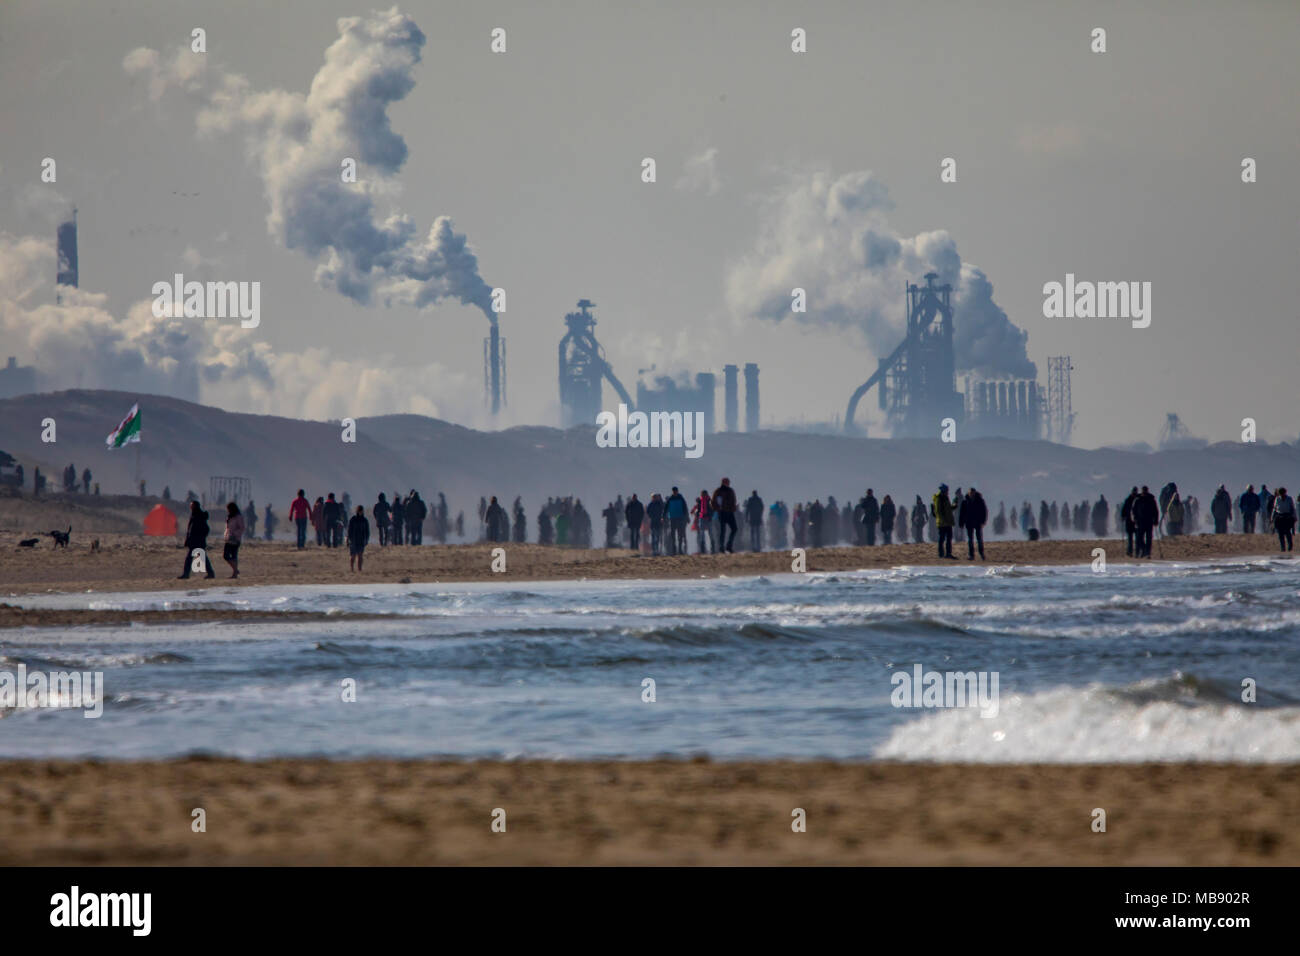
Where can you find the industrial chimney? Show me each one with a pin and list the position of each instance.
(731, 397)
(751, 397)
(494, 371)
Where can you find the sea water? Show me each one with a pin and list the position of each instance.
(1190, 661)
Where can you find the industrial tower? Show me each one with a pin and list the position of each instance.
(918, 381)
(582, 366)
(1060, 413)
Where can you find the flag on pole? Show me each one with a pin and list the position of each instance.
(128, 431)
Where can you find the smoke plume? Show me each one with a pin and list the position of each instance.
(831, 237)
(364, 249)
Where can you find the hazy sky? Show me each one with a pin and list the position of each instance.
(1117, 166)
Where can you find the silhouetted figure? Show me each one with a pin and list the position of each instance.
(816, 516)
(1101, 517)
(724, 505)
(974, 515)
(635, 514)
(1174, 515)
(705, 543)
(870, 515)
(678, 512)
(545, 533)
(383, 513)
(397, 514)
(754, 518)
(1248, 507)
(416, 512)
(85, 481)
(1284, 518)
(887, 513)
(358, 538)
(196, 537)
(1146, 514)
(332, 517)
(941, 511)
(900, 524)
(1130, 526)
(268, 526)
(1221, 509)
(654, 511)
(498, 524)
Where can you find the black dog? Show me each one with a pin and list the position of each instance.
(61, 537)
(28, 542)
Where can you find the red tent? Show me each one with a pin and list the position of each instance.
(160, 521)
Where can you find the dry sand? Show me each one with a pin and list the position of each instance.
(653, 812)
(131, 562)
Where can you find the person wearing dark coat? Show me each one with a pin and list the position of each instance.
(332, 517)
(870, 515)
(724, 506)
(1221, 509)
(383, 518)
(974, 515)
(887, 513)
(196, 536)
(416, 512)
(635, 514)
(1146, 514)
(397, 511)
(358, 538)
(1126, 515)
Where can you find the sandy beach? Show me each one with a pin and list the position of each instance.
(374, 812)
(131, 562)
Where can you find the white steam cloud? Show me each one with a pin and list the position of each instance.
(364, 249)
(80, 344)
(831, 237)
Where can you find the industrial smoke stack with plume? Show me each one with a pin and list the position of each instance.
(298, 143)
(830, 236)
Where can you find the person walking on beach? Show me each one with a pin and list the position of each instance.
(724, 504)
(870, 516)
(754, 509)
(887, 513)
(654, 512)
(1174, 516)
(634, 513)
(416, 512)
(383, 518)
(1146, 514)
(1126, 515)
(1248, 507)
(332, 516)
(358, 538)
(268, 524)
(299, 514)
(1284, 517)
(703, 512)
(234, 537)
(196, 536)
(918, 521)
(1221, 509)
(318, 520)
(941, 511)
(678, 512)
(974, 515)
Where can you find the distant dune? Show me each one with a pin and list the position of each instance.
(186, 443)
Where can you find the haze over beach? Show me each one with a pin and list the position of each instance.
(602, 435)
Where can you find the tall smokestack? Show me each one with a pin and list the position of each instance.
(730, 397)
(751, 397)
(493, 368)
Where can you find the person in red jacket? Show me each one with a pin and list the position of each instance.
(299, 514)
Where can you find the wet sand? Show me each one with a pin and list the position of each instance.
(312, 812)
(131, 562)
